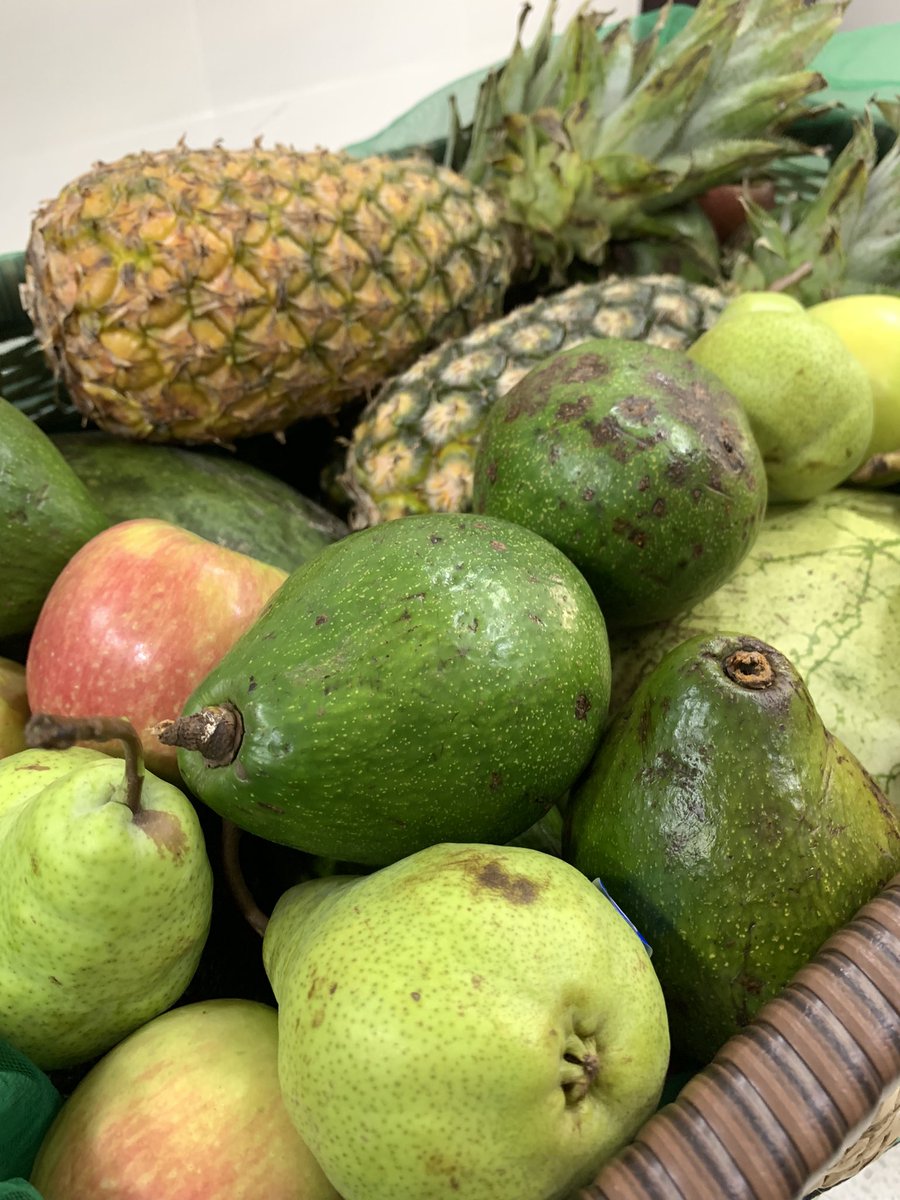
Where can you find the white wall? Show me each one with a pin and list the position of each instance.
(871, 12)
(95, 79)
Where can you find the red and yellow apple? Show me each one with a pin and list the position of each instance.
(133, 623)
(188, 1107)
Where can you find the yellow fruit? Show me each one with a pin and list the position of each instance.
(13, 707)
(869, 326)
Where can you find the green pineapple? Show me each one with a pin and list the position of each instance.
(843, 240)
(413, 448)
(209, 294)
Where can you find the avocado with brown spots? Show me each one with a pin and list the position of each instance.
(637, 463)
(437, 678)
(734, 829)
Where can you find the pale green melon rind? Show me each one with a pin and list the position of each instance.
(822, 585)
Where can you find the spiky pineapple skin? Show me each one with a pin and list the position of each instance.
(413, 448)
(204, 295)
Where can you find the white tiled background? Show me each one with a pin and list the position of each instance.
(94, 80)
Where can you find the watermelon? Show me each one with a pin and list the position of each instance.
(822, 585)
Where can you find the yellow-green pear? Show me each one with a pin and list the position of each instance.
(472, 1020)
(105, 893)
(13, 707)
(808, 399)
(760, 301)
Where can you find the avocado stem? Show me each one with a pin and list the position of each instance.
(749, 669)
(234, 877)
(216, 731)
(49, 732)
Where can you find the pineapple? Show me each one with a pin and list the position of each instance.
(413, 448)
(205, 295)
(844, 239)
(209, 294)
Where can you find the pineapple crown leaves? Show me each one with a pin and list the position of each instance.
(581, 136)
(843, 239)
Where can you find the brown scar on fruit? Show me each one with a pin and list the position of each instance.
(582, 706)
(514, 888)
(572, 409)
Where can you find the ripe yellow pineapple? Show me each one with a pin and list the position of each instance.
(198, 295)
(209, 294)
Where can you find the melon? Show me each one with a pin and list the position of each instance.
(822, 585)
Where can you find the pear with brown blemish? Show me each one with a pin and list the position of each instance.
(105, 893)
(473, 1020)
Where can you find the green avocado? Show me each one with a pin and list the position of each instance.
(732, 827)
(637, 463)
(437, 678)
(222, 499)
(46, 514)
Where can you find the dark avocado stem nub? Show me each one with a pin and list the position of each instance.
(216, 731)
(49, 732)
(750, 669)
(237, 884)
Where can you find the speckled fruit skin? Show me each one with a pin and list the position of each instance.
(103, 916)
(733, 828)
(636, 463)
(440, 677)
(436, 1019)
(134, 621)
(186, 1108)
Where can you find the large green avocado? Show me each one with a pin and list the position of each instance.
(637, 463)
(222, 499)
(822, 582)
(732, 827)
(46, 514)
(437, 678)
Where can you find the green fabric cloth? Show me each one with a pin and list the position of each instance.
(18, 1189)
(858, 65)
(28, 1103)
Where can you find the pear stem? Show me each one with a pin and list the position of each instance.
(792, 277)
(50, 732)
(234, 876)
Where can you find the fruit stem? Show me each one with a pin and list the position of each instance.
(49, 732)
(750, 669)
(216, 731)
(234, 876)
(792, 277)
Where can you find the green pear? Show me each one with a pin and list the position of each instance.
(762, 301)
(808, 398)
(13, 707)
(473, 1019)
(105, 893)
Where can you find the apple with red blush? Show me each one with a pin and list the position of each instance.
(135, 620)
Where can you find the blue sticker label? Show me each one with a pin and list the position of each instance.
(598, 883)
